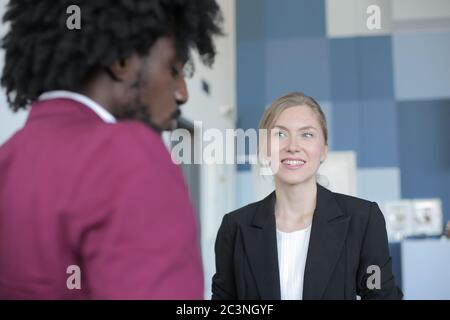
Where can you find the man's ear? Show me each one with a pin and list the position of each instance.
(124, 70)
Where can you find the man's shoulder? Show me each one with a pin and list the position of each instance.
(130, 134)
(130, 143)
(128, 153)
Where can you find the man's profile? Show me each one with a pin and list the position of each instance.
(88, 181)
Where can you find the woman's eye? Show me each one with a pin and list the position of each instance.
(308, 135)
(280, 134)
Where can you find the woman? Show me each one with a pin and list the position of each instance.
(302, 241)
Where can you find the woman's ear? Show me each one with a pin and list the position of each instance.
(324, 155)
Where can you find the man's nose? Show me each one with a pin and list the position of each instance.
(181, 92)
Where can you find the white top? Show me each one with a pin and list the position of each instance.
(88, 102)
(292, 251)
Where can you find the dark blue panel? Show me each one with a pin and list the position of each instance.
(375, 68)
(298, 65)
(344, 69)
(424, 139)
(250, 20)
(250, 83)
(295, 18)
(346, 126)
(244, 167)
(379, 140)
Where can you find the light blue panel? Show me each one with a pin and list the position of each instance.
(346, 126)
(422, 65)
(294, 18)
(379, 135)
(298, 65)
(424, 142)
(250, 83)
(245, 193)
(344, 69)
(379, 184)
(250, 20)
(375, 68)
(425, 269)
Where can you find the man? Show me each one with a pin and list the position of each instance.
(91, 206)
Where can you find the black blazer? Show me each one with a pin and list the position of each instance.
(347, 235)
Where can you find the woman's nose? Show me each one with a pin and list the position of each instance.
(293, 145)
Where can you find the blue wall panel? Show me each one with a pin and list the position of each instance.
(294, 18)
(424, 139)
(250, 21)
(251, 83)
(346, 125)
(344, 69)
(298, 64)
(375, 68)
(378, 130)
(422, 65)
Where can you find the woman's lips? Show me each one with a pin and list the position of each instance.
(293, 163)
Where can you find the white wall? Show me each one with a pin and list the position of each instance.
(347, 18)
(217, 110)
(420, 9)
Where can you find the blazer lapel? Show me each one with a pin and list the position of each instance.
(328, 233)
(260, 241)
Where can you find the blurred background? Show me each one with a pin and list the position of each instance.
(380, 69)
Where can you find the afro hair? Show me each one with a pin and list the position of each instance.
(43, 54)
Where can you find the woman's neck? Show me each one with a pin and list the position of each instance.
(295, 205)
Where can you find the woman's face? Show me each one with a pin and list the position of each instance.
(298, 143)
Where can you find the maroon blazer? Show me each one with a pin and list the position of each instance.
(75, 190)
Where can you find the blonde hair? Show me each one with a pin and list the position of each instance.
(289, 100)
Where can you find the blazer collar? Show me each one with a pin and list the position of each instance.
(328, 233)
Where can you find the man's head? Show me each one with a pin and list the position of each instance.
(128, 54)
